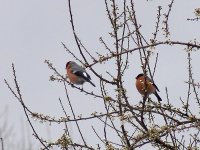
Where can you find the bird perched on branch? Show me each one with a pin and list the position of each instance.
(145, 86)
(77, 74)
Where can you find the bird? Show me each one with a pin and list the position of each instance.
(77, 74)
(145, 86)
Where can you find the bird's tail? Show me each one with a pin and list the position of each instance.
(158, 97)
(92, 83)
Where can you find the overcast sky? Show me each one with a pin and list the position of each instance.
(32, 31)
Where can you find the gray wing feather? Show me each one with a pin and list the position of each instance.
(75, 67)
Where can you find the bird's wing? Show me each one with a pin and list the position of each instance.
(152, 83)
(75, 67)
(83, 75)
(80, 71)
(156, 87)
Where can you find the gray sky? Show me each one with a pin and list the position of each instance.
(32, 31)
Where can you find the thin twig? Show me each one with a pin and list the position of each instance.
(2, 146)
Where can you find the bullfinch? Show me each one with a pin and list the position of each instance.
(147, 88)
(77, 74)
